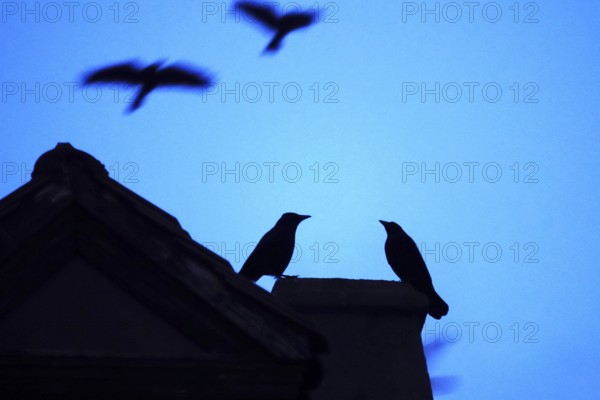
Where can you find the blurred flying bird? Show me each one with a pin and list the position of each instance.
(405, 259)
(148, 78)
(274, 251)
(282, 25)
(440, 384)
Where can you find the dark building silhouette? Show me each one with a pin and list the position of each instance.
(373, 329)
(105, 296)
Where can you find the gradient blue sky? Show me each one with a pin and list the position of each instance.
(522, 319)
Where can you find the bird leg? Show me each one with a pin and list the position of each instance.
(287, 277)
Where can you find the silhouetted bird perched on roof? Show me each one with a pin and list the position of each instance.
(148, 78)
(405, 259)
(282, 25)
(274, 251)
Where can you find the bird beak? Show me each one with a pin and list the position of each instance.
(303, 217)
(384, 223)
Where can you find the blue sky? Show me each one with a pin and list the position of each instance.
(476, 133)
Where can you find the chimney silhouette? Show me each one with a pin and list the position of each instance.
(373, 329)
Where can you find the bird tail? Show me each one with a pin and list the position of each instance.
(437, 306)
(249, 274)
(139, 99)
(136, 103)
(274, 44)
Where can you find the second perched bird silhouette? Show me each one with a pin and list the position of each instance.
(404, 257)
(274, 251)
(282, 25)
(148, 78)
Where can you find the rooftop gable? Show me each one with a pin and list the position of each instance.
(71, 209)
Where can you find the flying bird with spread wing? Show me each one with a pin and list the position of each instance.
(404, 257)
(274, 250)
(148, 78)
(282, 25)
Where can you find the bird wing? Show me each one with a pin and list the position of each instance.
(262, 13)
(127, 72)
(296, 20)
(175, 75)
(257, 263)
(253, 268)
(418, 269)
